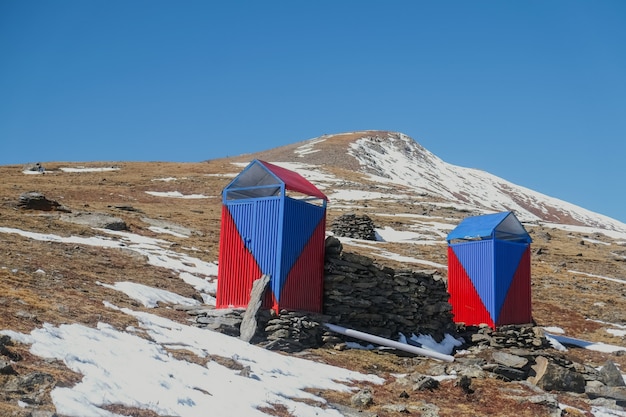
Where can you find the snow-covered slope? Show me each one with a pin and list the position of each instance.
(397, 158)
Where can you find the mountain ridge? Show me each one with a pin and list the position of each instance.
(397, 158)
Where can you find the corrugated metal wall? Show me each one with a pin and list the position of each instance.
(467, 305)
(489, 282)
(237, 267)
(301, 247)
(304, 287)
(517, 307)
(283, 238)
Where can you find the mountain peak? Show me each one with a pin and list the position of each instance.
(395, 158)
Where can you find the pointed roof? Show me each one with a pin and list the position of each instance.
(502, 226)
(262, 179)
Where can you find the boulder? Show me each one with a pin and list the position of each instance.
(610, 375)
(33, 200)
(552, 377)
(249, 326)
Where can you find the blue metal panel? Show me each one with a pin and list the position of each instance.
(242, 214)
(258, 223)
(476, 257)
(477, 227)
(507, 256)
(300, 221)
(267, 233)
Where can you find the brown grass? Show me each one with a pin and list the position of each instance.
(67, 291)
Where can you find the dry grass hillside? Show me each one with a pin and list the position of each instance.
(67, 293)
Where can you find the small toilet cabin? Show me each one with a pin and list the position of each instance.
(273, 223)
(489, 271)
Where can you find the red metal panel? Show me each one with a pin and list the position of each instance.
(517, 305)
(304, 287)
(467, 305)
(237, 268)
(477, 259)
(294, 181)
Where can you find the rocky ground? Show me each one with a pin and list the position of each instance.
(495, 373)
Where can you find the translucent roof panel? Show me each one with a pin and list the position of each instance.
(501, 226)
(253, 176)
(262, 179)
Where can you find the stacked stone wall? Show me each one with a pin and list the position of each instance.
(361, 295)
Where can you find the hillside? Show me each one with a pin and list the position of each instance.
(57, 269)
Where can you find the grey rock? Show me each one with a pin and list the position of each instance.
(506, 372)
(6, 368)
(395, 408)
(549, 400)
(249, 322)
(362, 399)
(552, 377)
(610, 375)
(509, 360)
(424, 409)
(216, 322)
(96, 220)
(615, 393)
(424, 382)
(606, 403)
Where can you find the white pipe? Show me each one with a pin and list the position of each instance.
(389, 343)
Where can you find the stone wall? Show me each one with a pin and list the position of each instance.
(361, 295)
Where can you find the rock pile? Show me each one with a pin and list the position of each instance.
(288, 331)
(354, 226)
(292, 331)
(509, 336)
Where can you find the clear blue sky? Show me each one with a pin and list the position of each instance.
(531, 91)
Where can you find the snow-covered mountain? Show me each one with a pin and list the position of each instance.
(395, 158)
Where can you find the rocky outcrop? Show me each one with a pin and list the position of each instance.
(96, 220)
(33, 200)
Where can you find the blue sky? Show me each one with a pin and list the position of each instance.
(531, 91)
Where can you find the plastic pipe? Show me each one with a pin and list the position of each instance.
(389, 343)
